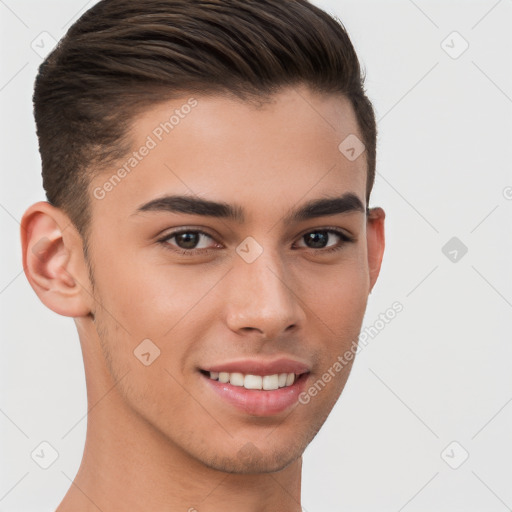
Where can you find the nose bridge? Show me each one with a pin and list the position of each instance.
(261, 293)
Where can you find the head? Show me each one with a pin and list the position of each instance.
(253, 111)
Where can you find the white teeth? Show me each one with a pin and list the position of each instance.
(266, 382)
(271, 382)
(253, 382)
(236, 379)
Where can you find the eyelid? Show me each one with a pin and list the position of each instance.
(332, 229)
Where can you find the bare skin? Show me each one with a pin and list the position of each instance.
(158, 437)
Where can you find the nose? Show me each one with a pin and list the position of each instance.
(262, 297)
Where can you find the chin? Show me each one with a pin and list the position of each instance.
(250, 460)
(259, 466)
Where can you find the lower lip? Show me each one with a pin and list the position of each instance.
(259, 402)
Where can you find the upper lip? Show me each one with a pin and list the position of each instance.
(260, 366)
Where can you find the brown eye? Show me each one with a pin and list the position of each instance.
(187, 241)
(319, 239)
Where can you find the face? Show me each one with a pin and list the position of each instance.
(234, 286)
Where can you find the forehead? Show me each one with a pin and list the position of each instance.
(288, 148)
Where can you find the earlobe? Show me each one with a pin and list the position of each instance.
(53, 260)
(376, 243)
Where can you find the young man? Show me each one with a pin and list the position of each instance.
(208, 167)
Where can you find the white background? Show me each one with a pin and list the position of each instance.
(439, 372)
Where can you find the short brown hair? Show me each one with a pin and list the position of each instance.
(124, 55)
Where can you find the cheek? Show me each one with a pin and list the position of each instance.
(337, 293)
(337, 304)
(150, 299)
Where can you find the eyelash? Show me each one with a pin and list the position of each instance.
(193, 252)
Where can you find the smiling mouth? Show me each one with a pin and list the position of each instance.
(256, 382)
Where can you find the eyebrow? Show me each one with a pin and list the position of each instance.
(346, 203)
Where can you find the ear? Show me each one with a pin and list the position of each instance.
(53, 260)
(375, 242)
